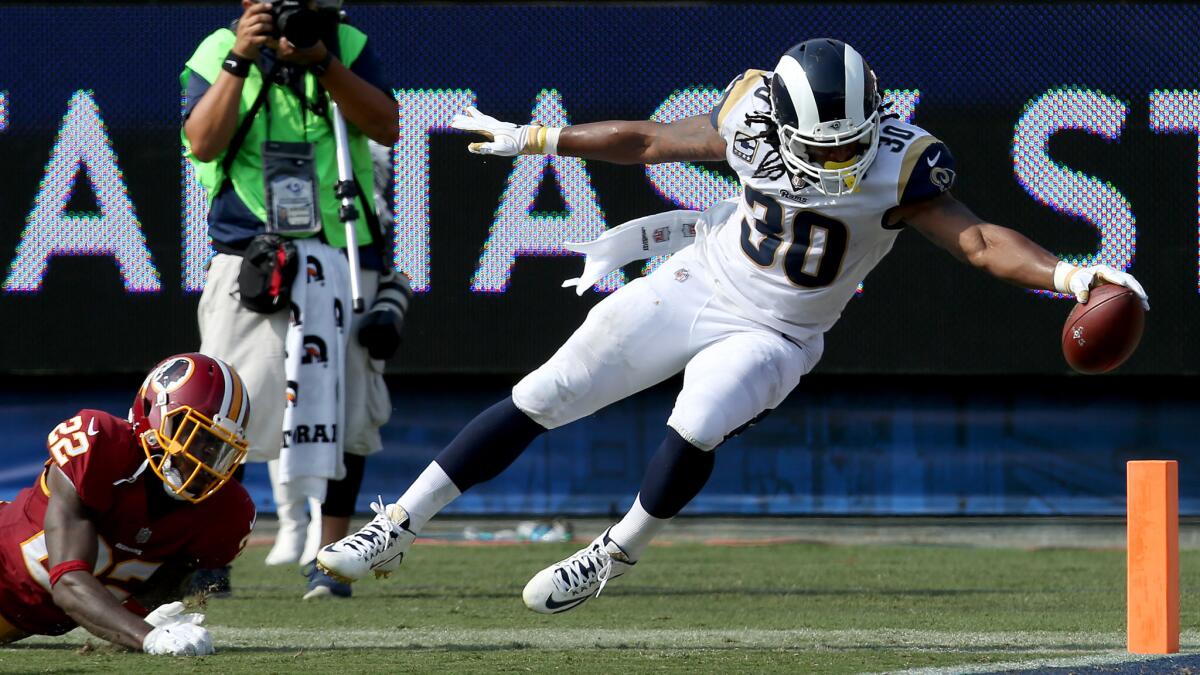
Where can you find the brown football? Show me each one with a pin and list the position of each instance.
(1100, 335)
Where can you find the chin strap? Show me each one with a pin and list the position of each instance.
(136, 474)
(142, 469)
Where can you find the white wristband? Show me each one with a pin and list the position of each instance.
(550, 147)
(541, 140)
(1063, 272)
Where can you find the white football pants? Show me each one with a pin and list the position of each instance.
(654, 327)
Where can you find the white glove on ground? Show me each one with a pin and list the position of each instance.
(1079, 281)
(170, 614)
(507, 139)
(176, 634)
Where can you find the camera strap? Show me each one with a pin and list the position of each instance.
(239, 137)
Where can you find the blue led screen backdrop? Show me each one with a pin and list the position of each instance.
(1076, 125)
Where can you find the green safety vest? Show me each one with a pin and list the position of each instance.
(288, 123)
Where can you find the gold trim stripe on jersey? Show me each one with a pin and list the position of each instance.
(910, 160)
(750, 81)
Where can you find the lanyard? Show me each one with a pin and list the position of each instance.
(318, 105)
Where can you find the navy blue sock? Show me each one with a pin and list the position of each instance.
(488, 445)
(676, 474)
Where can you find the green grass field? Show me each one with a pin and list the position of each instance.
(686, 607)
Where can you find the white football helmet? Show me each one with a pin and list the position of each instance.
(825, 103)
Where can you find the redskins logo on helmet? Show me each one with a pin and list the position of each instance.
(190, 417)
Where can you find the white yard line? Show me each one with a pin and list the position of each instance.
(1094, 648)
(1105, 658)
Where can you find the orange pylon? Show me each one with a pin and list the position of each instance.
(1152, 509)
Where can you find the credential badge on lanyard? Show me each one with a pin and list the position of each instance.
(290, 184)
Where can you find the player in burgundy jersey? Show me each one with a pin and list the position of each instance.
(127, 508)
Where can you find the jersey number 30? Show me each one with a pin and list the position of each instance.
(812, 254)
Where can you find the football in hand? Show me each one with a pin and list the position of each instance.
(1100, 335)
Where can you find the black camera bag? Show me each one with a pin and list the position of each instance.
(268, 270)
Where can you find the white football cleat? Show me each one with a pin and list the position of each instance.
(379, 546)
(568, 583)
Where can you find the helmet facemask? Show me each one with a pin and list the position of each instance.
(193, 455)
(802, 153)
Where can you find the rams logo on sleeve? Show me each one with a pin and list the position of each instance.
(926, 171)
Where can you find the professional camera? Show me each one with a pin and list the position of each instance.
(299, 24)
(382, 326)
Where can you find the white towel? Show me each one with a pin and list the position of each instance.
(315, 365)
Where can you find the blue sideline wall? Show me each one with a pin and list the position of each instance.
(844, 445)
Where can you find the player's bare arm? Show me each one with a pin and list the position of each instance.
(1000, 251)
(1003, 252)
(689, 139)
(619, 142)
(71, 536)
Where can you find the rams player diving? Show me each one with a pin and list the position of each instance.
(828, 180)
(126, 509)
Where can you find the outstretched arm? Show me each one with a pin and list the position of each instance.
(1005, 253)
(689, 139)
(620, 142)
(1001, 252)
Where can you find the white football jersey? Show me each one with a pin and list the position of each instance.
(790, 256)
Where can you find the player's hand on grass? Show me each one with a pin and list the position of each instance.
(504, 138)
(1079, 281)
(176, 633)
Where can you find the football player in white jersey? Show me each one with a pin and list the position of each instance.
(828, 180)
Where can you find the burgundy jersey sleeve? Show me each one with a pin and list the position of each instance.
(94, 450)
(223, 526)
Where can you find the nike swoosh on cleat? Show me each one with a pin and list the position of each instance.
(381, 563)
(563, 606)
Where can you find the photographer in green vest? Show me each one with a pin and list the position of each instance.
(258, 131)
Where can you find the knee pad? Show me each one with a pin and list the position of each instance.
(726, 394)
(705, 430)
(550, 394)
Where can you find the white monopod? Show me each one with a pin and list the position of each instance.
(347, 192)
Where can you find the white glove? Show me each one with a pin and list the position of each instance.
(176, 633)
(507, 139)
(1079, 281)
(178, 639)
(660, 234)
(171, 614)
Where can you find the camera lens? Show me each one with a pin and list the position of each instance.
(301, 27)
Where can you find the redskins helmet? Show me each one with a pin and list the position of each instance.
(825, 103)
(190, 417)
